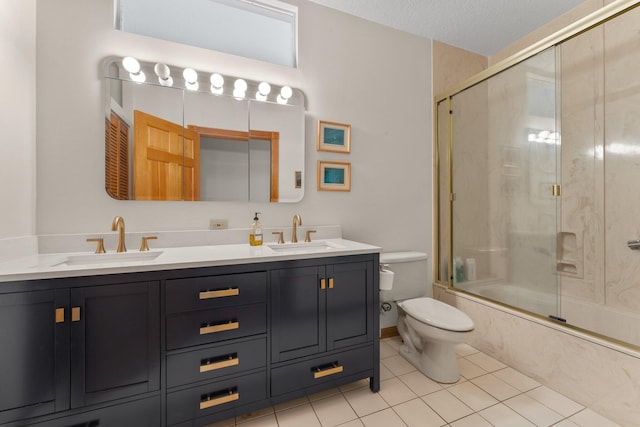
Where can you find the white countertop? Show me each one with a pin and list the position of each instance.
(53, 265)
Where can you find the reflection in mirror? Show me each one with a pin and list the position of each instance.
(165, 141)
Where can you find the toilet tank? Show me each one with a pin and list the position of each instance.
(411, 275)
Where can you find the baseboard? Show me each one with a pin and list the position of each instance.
(389, 332)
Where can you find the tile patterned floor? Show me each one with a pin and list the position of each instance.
(488, 394)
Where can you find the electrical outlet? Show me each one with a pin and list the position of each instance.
(218, 224)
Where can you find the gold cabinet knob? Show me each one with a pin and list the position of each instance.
(100, 242)
(144, 246)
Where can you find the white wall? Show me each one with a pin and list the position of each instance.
(17, 118)
(352, 71)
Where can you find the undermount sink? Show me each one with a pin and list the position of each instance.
(304, 247)
(108, 259)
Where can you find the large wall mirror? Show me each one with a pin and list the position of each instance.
(172, 134)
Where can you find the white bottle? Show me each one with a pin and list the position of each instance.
(470, 268)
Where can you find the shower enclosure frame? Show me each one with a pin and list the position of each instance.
(443, 195)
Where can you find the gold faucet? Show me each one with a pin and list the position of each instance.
(297, 220)
(118, 224)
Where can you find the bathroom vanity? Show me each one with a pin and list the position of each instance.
(182, 340)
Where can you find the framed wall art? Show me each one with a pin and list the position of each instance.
(334, 176)
(334, 137)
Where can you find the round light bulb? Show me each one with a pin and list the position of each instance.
(217, 80)
(216, 90)
(264, 88)
(162, 71)
(166, 82)
(190, 75)
(286, 92)
(138, 77)
(281, 100)
(131, 64)
(260, 97)
(240, 85)
(238, 93)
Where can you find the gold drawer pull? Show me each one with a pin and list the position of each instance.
(330, 282)
(75, 314)
(208, 365)
(333, 369)
(212, 329)
(211, 402)
(59, 315)
(231, 292)
(323, 284)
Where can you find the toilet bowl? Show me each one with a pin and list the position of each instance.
(430, 330)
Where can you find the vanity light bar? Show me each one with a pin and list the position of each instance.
(129, 68)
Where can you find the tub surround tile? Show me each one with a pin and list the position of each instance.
(600, 378)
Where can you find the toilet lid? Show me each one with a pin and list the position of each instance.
(437, 313)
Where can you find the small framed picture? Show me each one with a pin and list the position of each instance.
(334, 137)
(334, 176)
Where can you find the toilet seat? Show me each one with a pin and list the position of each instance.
(436, 313)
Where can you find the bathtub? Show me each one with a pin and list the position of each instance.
(615, 323)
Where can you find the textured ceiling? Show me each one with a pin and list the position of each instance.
(481, 26)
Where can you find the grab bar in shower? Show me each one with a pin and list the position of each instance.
(634, 244)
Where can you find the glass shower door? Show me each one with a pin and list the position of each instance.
(505, 170)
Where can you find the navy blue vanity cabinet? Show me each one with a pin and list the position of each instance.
(216, 329)
(324, 326)
(68, 349)
(34, 354)
(115, 342)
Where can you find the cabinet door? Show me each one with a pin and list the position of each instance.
(115, 342)
(34, 342)
(350, 304)
(298, 312)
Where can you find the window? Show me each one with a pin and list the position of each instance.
(265, 30)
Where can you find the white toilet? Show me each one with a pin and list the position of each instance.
(430, 329)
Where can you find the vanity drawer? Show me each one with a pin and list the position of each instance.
(201, 293)
(215, 362)
(214, 397)
(208, 326)
(320, 370)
